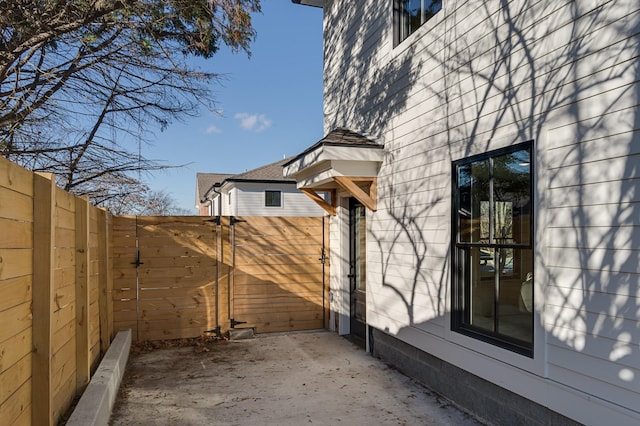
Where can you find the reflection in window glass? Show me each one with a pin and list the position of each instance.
(272, 198)
(413, 13)
(493, 283)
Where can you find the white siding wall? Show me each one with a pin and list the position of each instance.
(480, 76)
(248, 199)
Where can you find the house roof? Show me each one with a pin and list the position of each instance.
(316, 3)
(343, 160)
(339, 137)
(269, 173)
(205, 181)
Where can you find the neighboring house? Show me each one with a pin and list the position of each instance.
(258, 192)
(205, 183)
(484, 158)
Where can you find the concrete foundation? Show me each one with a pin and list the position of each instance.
(492, 403)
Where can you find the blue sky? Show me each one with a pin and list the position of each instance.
(270, 104)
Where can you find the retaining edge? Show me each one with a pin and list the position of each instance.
(96, 403)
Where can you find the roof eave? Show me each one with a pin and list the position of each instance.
(314, 3)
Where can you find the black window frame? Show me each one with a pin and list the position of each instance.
(460, 286)
(269, 201)
(399, 7)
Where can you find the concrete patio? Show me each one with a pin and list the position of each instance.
(275, 379)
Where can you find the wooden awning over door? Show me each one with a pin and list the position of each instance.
(343, 160)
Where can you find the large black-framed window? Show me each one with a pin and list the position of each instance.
(493, 247)
(272, 198)
(409, 15)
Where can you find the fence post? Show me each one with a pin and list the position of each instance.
(83, 353)
(43, 250)
(105, 283)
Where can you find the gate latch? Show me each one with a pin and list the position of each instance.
(137, 262)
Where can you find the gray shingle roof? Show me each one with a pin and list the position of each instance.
(204, 182)
(340, 136)
(270, 172)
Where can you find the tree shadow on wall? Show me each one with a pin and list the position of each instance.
(563, 76)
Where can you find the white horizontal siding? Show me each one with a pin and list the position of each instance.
(250, 201)
(480, 76)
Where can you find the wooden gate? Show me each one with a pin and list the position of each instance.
(278, 273)
(177, 277)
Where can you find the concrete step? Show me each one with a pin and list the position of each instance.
(241, 333)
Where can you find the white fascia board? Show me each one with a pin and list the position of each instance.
(351, 153)
(306, 161)
(355, 168)
(315, 3)
(332, 154)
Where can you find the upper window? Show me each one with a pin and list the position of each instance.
(411, 14)
(272, 198)
(493, 248)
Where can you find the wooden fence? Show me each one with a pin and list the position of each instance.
(55, 315)
(71, 275)
(177, 277)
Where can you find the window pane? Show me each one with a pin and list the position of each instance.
(479, 302)
(473, 199)
(515, 303)
(431, 8)
(512, 197)
(414, 13)
(272, 199)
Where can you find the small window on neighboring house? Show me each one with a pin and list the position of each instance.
(272, 198)
(411, 14)
(493, 248)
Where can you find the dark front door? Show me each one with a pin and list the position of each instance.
(357, 269)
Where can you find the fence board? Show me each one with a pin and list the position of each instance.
(15, 406)
(15, 205)
(15, 263)
(14, 377)
(15, 291)
(15, 177)
(16, 234)
(14, 348)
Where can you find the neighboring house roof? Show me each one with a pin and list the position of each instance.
(270, 173)
(205, 181)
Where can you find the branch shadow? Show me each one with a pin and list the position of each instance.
(565, 76)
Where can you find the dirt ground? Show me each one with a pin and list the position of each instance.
(275, 379)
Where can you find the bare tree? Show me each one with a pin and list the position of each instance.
(78, 78)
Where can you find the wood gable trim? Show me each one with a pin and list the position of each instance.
(328, 207)
(369, 200)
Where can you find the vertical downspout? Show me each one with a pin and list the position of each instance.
(323, 260)
(219, 251)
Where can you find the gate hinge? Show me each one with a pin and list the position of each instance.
(215, 330)
(323, 257)
(235, 220)
(215, 220)
(234, 323)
